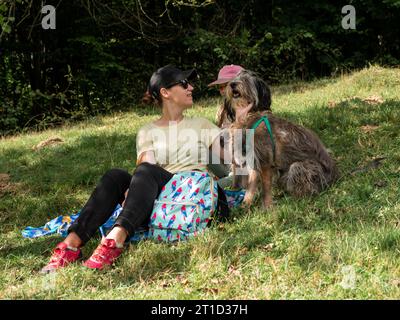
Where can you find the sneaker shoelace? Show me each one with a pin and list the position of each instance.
(102, 252)
(58, 255)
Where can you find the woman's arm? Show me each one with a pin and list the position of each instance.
(147, 156)
(241, 113)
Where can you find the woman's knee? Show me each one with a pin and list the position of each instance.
(146, 172)
(116, 173)
(117, 176)
(145, 167)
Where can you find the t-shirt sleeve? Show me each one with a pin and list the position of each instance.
(212, 132)
(144, 141)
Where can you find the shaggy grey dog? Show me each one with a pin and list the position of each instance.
(290, 154)
(253, 90)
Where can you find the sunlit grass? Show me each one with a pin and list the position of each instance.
(344, 243)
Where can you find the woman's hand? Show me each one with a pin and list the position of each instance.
(126, 194)
(147, 156)
(241, 113)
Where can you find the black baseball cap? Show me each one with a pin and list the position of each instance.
(167, 76)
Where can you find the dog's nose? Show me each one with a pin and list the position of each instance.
(233, 85)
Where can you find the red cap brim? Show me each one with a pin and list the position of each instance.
(219, 81)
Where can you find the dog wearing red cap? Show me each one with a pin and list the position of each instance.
(255, 94)
(291, 154)
(226, 74)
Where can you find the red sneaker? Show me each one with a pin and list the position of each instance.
(62, 256)
(104, 255)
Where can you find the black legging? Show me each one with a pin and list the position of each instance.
(144, 187)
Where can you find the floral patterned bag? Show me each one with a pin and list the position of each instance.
(184, 207)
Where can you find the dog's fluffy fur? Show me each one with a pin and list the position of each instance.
(301, 165)
(253, 90)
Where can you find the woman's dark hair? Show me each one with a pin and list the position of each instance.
(149, 99)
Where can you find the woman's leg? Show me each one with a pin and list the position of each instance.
(146, 184)
(101, 204)
(96, 212)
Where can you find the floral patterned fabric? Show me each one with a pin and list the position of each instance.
(182, 210)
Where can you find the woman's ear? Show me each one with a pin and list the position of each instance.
(164, 93)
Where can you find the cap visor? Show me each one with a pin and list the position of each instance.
(219, 81)
(190, 74)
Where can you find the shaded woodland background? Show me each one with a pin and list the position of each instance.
(102, 53)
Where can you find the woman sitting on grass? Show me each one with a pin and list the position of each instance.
(161, 152)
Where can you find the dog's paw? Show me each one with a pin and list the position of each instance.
(246, 207)
(267, 206)
(248, 198)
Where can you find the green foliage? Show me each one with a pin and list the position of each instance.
(279, 56)
(393, 3)
(101, 55)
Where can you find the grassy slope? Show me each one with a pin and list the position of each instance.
(344, 243)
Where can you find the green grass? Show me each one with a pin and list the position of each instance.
(341, 244)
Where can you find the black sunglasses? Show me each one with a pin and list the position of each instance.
(184, 83)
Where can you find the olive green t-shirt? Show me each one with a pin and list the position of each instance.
(180, 146)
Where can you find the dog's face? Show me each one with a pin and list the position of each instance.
(247, 88)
